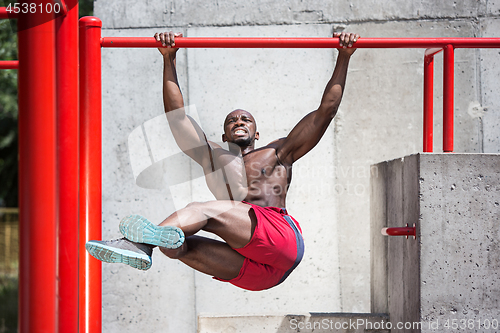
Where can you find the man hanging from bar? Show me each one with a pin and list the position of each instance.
(262, 243)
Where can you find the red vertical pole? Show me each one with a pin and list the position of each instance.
(428, 102)
(90, 172)
(37, 171)
(448, 85)
(67, 162)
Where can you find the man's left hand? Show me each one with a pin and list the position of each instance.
(346, 41)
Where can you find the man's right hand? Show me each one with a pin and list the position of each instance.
(167, 39)
(346, 41)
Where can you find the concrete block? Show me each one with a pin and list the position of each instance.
(378, 245)
(450, 272)
(459, 237)
(411, 212)
(395, 249)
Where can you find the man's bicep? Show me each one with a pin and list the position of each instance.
(189, 136)
(303, 137)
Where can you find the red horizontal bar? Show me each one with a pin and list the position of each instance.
(4, 14)
(9, 64)
(283, 42)
(399, 231)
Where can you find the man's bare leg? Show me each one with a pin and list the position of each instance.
(233, 221)
(209, 256)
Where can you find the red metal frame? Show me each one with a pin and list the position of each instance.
(37, 173)
(67, 166)
(400, 231)
(428, 103)
(66, 163)
(448, 88)
(9, 64)
(429, 98)
(281, 42)
(90, 172)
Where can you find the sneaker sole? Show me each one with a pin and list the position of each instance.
(113, 255)
(139, 229)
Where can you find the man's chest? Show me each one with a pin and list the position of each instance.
(263, 165)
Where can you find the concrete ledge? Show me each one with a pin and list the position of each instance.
(310, 322)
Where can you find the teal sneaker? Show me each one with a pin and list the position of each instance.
(121, 251)
(140, 230)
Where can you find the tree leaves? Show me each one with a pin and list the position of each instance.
(8, 118)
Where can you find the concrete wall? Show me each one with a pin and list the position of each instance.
(380, 118)
(449, 274)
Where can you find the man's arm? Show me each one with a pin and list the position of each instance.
(187, 133)
(307, 133)
(224, 172)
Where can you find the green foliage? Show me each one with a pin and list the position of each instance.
(86, 7)
(8, 304)
(8, 118)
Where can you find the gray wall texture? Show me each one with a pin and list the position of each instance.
(449, 274)
(380, 118)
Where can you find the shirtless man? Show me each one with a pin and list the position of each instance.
(262, 243)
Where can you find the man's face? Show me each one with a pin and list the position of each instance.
(240, 128)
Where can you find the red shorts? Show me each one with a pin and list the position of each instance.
(274, 251)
